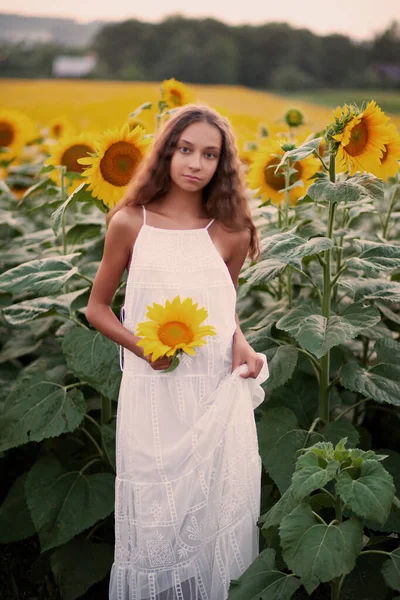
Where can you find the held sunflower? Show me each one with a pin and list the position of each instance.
(362, 140)
(118, 155)
(173, 328)
(66, 152)
(271, 185)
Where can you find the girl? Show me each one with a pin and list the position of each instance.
(188, 468)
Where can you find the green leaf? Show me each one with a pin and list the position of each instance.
(391, 570)
(38, 409)
(40, 185)
(316, 552)
(324, 191)
(336, 430)
(300, 395)
(17, 346)
(89, 563)
(372, 289)
(382, 382)
(282, 362)
(93, 358)
(23, 312)
(280, 509)
(317, 334)
(370, 495)
(15, 520)
(375, 257)
(44, 276)
(63, 503)
(308, 479)
(279, 439)
(262, 581)
(79, 233)
(310, 147)
(388, 351)
(264, 271)
(81, 193)
(365, 582)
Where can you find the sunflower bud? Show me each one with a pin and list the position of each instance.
(294, 117)
(288, 146)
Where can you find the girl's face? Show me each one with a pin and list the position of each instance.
(196, 156)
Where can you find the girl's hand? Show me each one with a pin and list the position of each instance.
(160, 364)
(243, 353)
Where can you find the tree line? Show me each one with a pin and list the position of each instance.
(273, 55)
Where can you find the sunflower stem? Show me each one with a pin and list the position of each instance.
(392, 204)
(63, 198)
(324, 390)
(106, 409)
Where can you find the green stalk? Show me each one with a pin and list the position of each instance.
(392, 204)
(63, 198)
(106, 409)
(324, 390)
(287, 204)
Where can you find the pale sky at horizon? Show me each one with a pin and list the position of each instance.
(360, 19)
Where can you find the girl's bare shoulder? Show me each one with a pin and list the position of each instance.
(234, 238)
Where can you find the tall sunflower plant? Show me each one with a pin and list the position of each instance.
(322, 304)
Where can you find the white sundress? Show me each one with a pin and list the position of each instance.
(188, 468)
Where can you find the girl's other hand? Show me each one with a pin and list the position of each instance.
(243, 353)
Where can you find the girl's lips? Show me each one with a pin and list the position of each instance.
(192, 177)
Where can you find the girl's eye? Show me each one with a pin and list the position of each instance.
(182, 148)
(211, 155)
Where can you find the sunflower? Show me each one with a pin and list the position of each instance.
(262, 174)
(58, 127)
(66, 152)
(362, 141)
(389, 164)
(294, 117)
(173, 328)
(16, 130)
(118, 155)
(247, 146)
(175, 94)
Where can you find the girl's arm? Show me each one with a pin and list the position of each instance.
(120, 238)
(242, 351)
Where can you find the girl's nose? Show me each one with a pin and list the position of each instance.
(194, 162)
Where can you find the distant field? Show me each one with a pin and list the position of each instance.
(98, 105)
(388, 101)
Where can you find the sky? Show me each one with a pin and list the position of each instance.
(360, 19)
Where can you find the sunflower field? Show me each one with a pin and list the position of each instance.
(322, 303)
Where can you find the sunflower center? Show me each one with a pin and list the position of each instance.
(6, 134)
(277, 181)
(358, 139)
(70, 157)
(57, 130)
(176, 97)
(174, 333)
(119, 163)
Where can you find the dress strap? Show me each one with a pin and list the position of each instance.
(144, 214)
(210, 223)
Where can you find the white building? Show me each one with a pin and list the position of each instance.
(74, 66)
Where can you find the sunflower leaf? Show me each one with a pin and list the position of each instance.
(375, 257)
(41, 276)
(37, 409)
(81, 193)
(263, 581)
(93, 358)
(372, 289)
(370, 495)
(62, 503)
(318, 334)
(317, 552)
(89, 562)
(301, 152)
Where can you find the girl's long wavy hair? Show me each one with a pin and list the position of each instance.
(224, 197)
